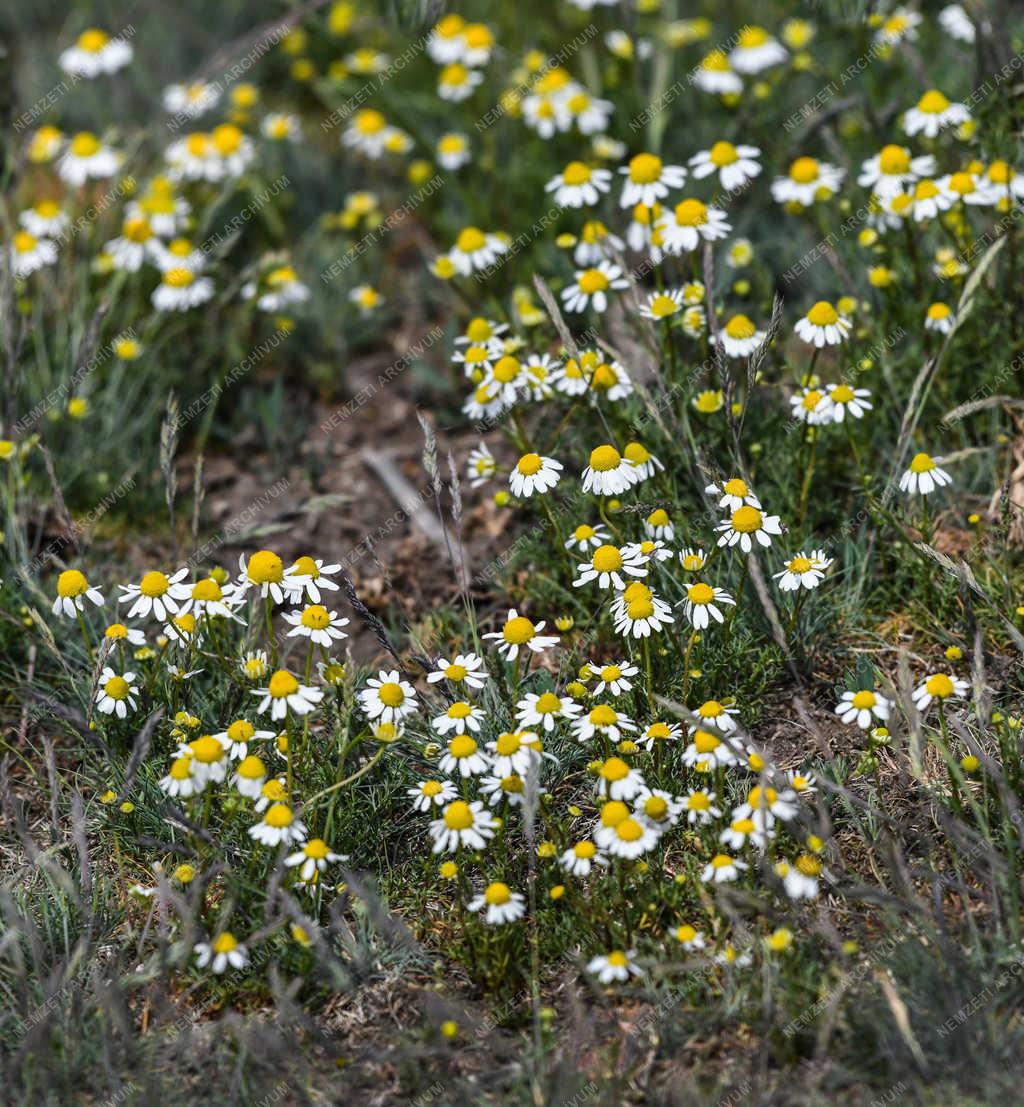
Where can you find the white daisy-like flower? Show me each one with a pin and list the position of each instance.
(648, 180)
(614, 677)
(690, 223)
(590, 287)
(940, 687)
(643, 461)
(707, 752)
(136, 244)
(812, 406)
(250, 776)
(764, 805)
(715, 74)
(970, 188)
(456, 82)
(462, 824)
(735, 493)
(579, 185)
(843, 398)
(740, 832)
(281, 126)
(317, 624)
(700, 807)
(181, 290)
(190, 100)
(657, 732)
(580, 859)
(716, 714)
(800, 879)
(823, 326)
(660, 306)
(429, 794)
(314, 857)
(463, 668)
(452, 150)
(476, 250)
(284, 693)
(690, 938)
(284, 290)
(746, 526)
(660, 809)
(955, 21)
(756, 50)
(179, 781)
(95, 53)
(481, 465)
(265, 572)
(609, 473)
(586, 537)
(928, 200)
(627, 837)
(608, 566)
(659, 526)
(740, 336)
(863, 707)
(924, 475)
(617, 781)
(29, 253)
(617, 966)
(722, 869)
(735, 165)
(45, 219)
(308, 576)
(894, 167)
(534, 474)
(702, 604)
(603, 719)
(515, 752)
(940, 318)
(278, 825)
(116, 693)
(520, 632)
(693, 560)
(808, 180)
(85, 158)
(208, 759)
(460, 718)
(388, 698)
(934, 113)
(637, 612)
(224, 952)
(498, 904)
(803, 571)
(543, 710)
(156, 594)
(72, 591)
(596, 242)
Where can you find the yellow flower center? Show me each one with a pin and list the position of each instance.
(593, 280)
(470, 240)
(224, 943)
(71, 583)
(507, 744)
(607, 559)
(279, 815)
(604, 459)
(226, 138)
(179, 277)
(894, 160)
(518, 631)
(933, 102)
(241, 731)
(460, 710)
(823, 314)
(576, 173)
(739, 326)
(390, 694)
(529, 464)
(723, 153)
(746, 519)
(700, 593)
(804, 170)
(265, 568)
(645, 169)
(548, 704)
(921, 463)
(842, 394)
(705, 741)
(751, 37)
(117, 688)
(85, 145)
(603, 715)
(809, 866)
(636, 453)
(610, 673)
(458, 816)
(282, 684)
(926, 190)
(497, 894)
(614, 769)
(506, 369)
(252, 768)
(316, 617)
(613, 813)
(584, 850)
(799, 565)
(93, 40)
(154, 584)
(939, 685)
(691, 213)
(206, 749)
(629, 830)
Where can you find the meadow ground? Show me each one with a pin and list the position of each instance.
(512, 583)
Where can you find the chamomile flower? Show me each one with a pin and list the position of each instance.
(281, 127)
(463, 668)
(387, 698)
(657, 732)
(863, 707)
(643, 461)
(192, 100)
(756, 50)
(481, 465)
(812, 406)
(934, 113)
(722, 869)
(580, 859)
(690, 938)
(278, 825)
(250, 776)
(609, 473)
(617, 966)
(543, 710)
(429, 794)
(456, 82)
(969, 188)
(690, 223)
(476, 250)
(605, 720)
(116, 693)
(156, 594)
(284, 693)
(366, 298)
(29, 253)
(800, 879)
(586, 537)
(843, 398)
(314, 857)
(693, 560)
(627, 837)
(45, 219)
(181, 290)
(225, 951)
(498, 904)
(802, 571)
(740, 337)
(515, 753)
(590, 287)
(893, 168)
(707, 751)
(94, 54)
(282, 290)
(715, 74)
(208, 759)
(808, 180)
(700, 808)
(254, 665)
(368, 132)
(617, 781)
(764, 805)
(614, 678)
(579, 185)
(939, 686)
(308, 575)
(179, 781)
(924, 475)
(86, 158)
(462, 824)
(714, 713)
(596, 243)
(265, 572)
(928, 200)
(637, 612)
(660, 306)
(823, 326)
(452, 150)
(747, 525)
(460, 718)
(735, 165)
(940, 318)
(316, 623)
(518, 633)
(648, 180)
(608, 566)
(118, 632)
(735, 493)
(702, 604)
(659, 526)
(591, 115)
(72, 591)
(740, 832)
(534, 474)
